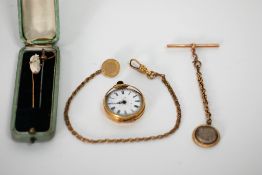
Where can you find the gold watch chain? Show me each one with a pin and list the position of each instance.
(151, 75)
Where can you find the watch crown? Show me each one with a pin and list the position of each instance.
(120, 82)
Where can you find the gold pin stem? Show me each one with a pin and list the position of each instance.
(33, 91)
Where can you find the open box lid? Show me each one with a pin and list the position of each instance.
(38, 21)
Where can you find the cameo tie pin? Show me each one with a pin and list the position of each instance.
(35, 68)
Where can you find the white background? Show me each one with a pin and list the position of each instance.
(93, 30)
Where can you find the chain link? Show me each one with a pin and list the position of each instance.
(197, 64)
(150, 75)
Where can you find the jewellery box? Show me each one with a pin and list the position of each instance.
(36, 95)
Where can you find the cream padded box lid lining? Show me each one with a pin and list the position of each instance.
(38, 19)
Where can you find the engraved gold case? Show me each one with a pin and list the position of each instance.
(124, 103)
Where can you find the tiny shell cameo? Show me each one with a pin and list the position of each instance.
(35, 64)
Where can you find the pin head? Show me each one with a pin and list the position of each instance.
(43, 55)
(34, 63)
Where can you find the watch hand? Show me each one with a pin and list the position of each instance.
(120, 102)
(115, 103)
(112, 103)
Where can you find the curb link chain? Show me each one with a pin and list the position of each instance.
(197, 64)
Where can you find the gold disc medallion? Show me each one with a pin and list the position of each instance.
(110, 68)
(206, 136)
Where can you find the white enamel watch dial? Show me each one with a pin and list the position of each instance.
(124, 103)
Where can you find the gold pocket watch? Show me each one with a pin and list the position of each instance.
(124, 103)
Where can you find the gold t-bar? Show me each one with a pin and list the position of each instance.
(192, 45)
